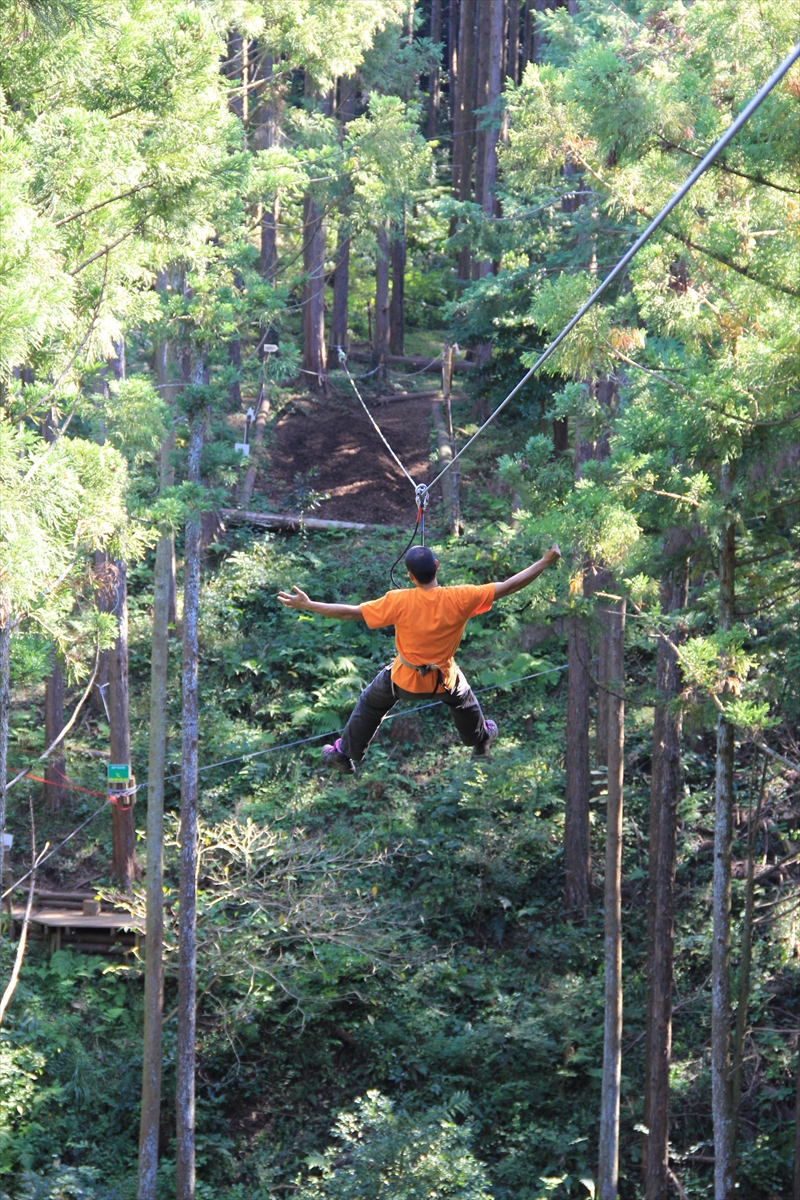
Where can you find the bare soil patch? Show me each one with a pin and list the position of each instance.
(327, 445)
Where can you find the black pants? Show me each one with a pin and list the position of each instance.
(381, 695)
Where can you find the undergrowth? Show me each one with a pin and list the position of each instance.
(391, 948)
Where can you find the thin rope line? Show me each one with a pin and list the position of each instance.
(376, 427)
(706, 162)
(421, 371)
(330, 733)
(55, 850)
(273, 750)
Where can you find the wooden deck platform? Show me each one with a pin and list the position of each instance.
(99, 933)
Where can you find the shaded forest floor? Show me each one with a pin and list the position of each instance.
(403, 931)
(322, 455)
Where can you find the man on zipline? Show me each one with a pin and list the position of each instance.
(428, 624)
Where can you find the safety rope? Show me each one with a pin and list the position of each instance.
(422, 370)
(315, 737)
(418, 524)
(685, 187)
(375, 425)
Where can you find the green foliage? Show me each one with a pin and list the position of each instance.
(389, 160)
(56, 501)
(389, 1153)
(399, 937)
(57, 1102)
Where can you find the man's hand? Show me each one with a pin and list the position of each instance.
(298, 600)
(523, 578)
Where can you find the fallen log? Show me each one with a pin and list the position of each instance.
(413, 362)
(396, 397)
(291, 521)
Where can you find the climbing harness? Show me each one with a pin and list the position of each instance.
(424, 670)
(225, 762)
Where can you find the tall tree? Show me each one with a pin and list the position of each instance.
(608, 1170)
(123, 857)
(397, 317)
(185, 1179)
(464, 117)
(721, 1080)
(380, 350)
(315, 359)
(347, 92)
(150, 1119)
(577, 845)
(434, 77)
(491, 15)
(55, 794)
(266, 123)
(512, 53)
(665, 795)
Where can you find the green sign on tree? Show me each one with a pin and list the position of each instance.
(118, 772)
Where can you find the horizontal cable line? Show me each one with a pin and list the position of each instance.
(269, 750)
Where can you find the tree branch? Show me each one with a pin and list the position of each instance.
(94, 207)
(105, 250)
(72, 361)
(687, 241)
(721, 165)
(765, 749)
(23, 937)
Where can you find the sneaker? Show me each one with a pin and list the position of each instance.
(332, 757)
(491, 737)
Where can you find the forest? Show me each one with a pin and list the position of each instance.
(284, 286)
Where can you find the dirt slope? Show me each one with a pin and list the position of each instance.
(329, 446)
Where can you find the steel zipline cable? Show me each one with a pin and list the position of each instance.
(730, 133)
(225, 762)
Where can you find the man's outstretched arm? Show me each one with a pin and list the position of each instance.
(341, 612)
(523, 578)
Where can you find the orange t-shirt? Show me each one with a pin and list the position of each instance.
(428, 626)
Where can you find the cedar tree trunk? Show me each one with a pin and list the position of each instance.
(154, 929)
(123, 856)
(464, 119)
(721, 1089)
(665, 794)
(341, 289)
(314, 354)
(576, 809)
(433, 78)
(381, 348)
(512, 55)
(397, 318)
(187, 930)
(608, 1170)
(55, 794)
